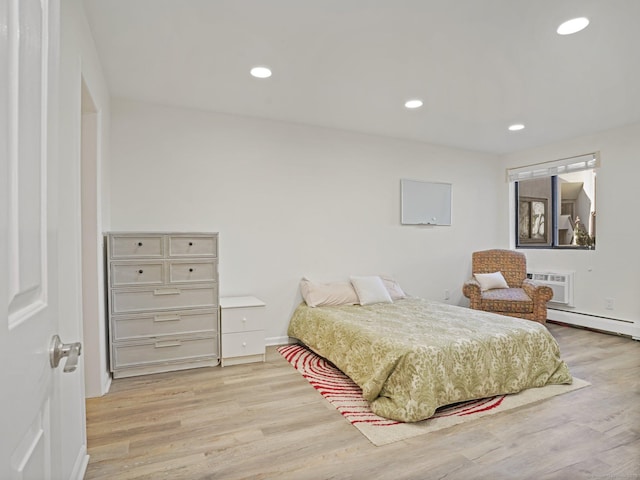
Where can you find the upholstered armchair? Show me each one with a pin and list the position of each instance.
(523, 298)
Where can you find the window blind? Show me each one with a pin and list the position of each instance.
(554, 167)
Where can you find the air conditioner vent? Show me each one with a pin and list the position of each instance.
(558, 278)
(560, 283)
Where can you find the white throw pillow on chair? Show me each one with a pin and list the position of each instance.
(489, 281)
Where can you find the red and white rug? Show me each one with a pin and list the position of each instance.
(346, 396)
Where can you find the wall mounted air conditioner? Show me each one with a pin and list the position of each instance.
(560, 282)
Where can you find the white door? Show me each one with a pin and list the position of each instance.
(32, 429)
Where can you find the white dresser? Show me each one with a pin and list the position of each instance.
(242, 326)
(162, 301)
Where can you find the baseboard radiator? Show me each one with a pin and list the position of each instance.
(562, 285)
(596, 322)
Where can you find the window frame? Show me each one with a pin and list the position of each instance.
(549, 170)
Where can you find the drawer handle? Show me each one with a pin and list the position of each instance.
(139, 244)
(166, 291)
(191, 244)
(140, 272)
(168, 344)
(190, 270)
(171, 318)
(244, 344)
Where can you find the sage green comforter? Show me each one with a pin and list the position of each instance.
(414, 355)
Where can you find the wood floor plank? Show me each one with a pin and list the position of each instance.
(264, 421)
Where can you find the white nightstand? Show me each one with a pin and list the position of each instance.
(242, 327)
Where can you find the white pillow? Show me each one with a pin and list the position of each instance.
(393, 287)
(370, 290)
(320, 294)
(489, 281)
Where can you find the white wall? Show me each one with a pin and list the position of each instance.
(609, 271)
(291, 200)
(79, 60)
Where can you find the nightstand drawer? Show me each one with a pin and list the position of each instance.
(181, 271)
(164, 351)
(141, 300)
(137, 273)
(162, 324)
(243, 319)
(242, 344)
(138, 246)
(193, 245)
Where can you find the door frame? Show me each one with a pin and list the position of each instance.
(95, 334)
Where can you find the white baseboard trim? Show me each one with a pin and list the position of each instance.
(80, 465)
(104, 389)
(272, 341)
(623, 327)
(107, 384)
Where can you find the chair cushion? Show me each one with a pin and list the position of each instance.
(512, 300)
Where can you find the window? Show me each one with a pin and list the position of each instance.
(556, 204)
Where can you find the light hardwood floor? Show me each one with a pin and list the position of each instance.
(264, 421)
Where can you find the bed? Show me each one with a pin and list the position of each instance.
(413, 355)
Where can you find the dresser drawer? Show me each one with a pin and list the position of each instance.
(163, 324)
(141, 300)
(193, 245)
(159, 351)
(185, 271)
(137, 273)
(139, 246)
(242, 319)
(242, 344)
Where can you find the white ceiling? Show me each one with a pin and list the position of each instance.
(479, 65)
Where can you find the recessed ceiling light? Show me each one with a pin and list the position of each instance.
(515, 127)
(415, 103)
(261, 72)
(573, 26)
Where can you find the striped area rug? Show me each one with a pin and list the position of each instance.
(346, 397)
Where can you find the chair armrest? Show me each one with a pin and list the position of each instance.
(536, 291)
(471, 288)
